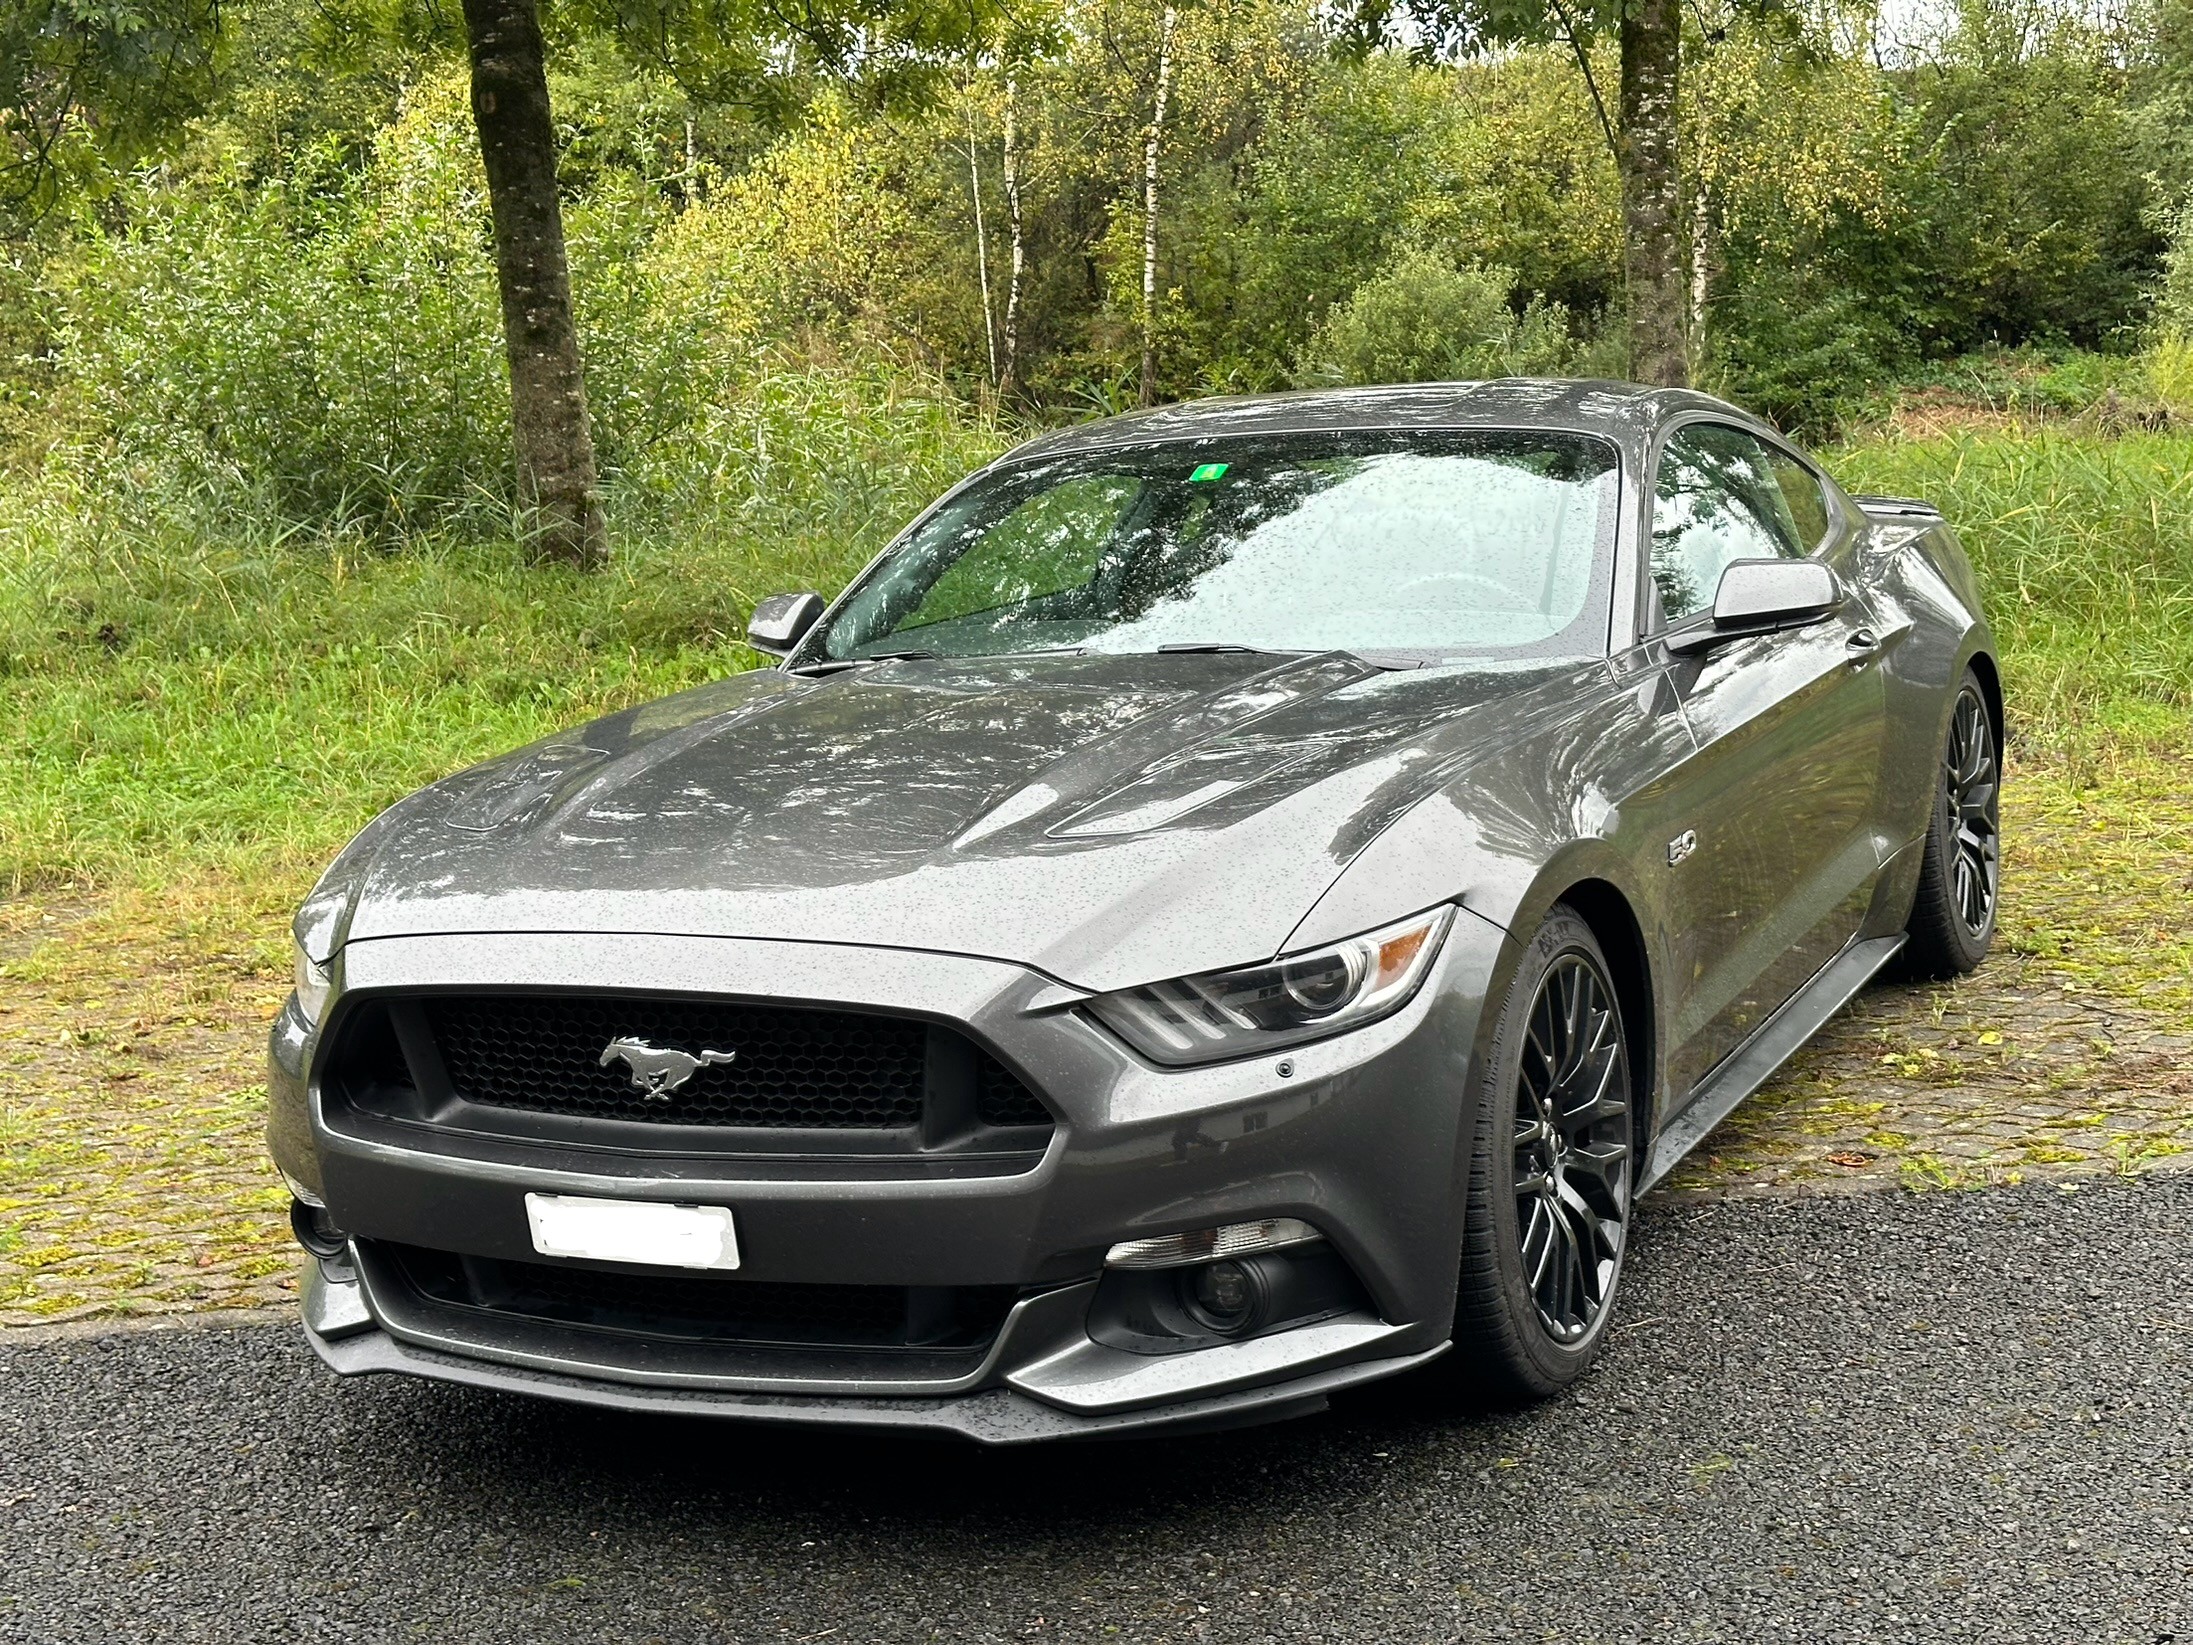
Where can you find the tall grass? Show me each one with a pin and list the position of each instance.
(183, 680)
(2084, 546)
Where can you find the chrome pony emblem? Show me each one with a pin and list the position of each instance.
(659, 1070)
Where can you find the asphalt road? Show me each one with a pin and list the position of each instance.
(1952, 1416)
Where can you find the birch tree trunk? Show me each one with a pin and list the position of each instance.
(982, 242)
(1153, 135)
(557, 483)
(1653, 249)
(1009, 371)
(1701, 274)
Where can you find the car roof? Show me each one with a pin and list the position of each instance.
(1626, 413)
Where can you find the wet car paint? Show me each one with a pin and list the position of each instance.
(1073, 824)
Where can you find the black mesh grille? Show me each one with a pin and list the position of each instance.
(715, 1307)
(1001, 1099)
(781, 1067)
(827, 1069)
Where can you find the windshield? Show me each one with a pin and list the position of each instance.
(1426, 544)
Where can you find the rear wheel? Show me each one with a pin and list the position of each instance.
(1549, 1197)
(1960, 867)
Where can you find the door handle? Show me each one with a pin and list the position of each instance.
(1862, 647)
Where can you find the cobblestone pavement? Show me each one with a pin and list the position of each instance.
(133, 1174)
(2068, 1054)
(2000, 1077)
(133, 1179)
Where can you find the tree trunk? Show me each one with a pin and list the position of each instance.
(1653, 249)
(1151, 138)
(557, 484)
(1009, 370)
(1700, 249)
(982, 241)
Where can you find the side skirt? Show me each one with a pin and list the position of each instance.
(1776, 1040)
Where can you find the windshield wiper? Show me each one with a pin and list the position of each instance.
(838, 665)
(1217, 646)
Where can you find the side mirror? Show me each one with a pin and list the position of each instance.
(1756, 596)
(780, 622)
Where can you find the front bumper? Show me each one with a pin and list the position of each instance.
(1365, 1136)
(1270, 1387)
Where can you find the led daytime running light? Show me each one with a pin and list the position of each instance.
(1208, 1244)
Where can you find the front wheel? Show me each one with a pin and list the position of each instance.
(1548, 1217)
(1960, 867)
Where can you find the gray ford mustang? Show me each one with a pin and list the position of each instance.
(1237, 901)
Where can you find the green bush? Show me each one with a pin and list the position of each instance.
(2174, 294)
(325, 354)
(1422, 320)
(1807, 355)
(329, 347)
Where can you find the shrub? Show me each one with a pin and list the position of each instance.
(2169, 367)
(325, 353)
(330, 345)
(1805, 354)
(1422, 320)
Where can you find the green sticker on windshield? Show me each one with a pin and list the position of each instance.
(1208, 471)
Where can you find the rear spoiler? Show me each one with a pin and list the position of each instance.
(1899, 508)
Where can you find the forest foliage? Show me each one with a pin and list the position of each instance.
(289, 305)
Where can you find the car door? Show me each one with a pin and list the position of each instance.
(1774, 871)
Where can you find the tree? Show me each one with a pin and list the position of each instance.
(1653, 261)
(743, 52)
(1009, 373)
(1152, 138)
(1642, 132)
(558, 488)
(87, 85)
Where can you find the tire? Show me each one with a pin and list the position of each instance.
(1960, 866)
(1531, 1312)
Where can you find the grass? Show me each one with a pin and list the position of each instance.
(185, 688)
(2084, 547)
(180, 691)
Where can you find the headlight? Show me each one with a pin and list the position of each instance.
(312, 987)
(1296, 997)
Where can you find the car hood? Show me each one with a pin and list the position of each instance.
(1107, 820)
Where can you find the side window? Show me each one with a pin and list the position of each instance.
(1807, 502)
(1050, 544)
(1716, 499)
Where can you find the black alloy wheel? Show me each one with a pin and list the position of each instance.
(1548, 1217)
(1970, 790)
(1571, 1173)
(1961, 864)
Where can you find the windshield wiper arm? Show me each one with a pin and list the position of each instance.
(837, 665)
(1213, 646)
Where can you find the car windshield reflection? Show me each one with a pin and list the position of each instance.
(1403, 546)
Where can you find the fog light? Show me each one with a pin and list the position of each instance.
(316, 1230)
(1224, 1296)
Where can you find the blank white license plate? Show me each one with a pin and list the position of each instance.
(623, 1230)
